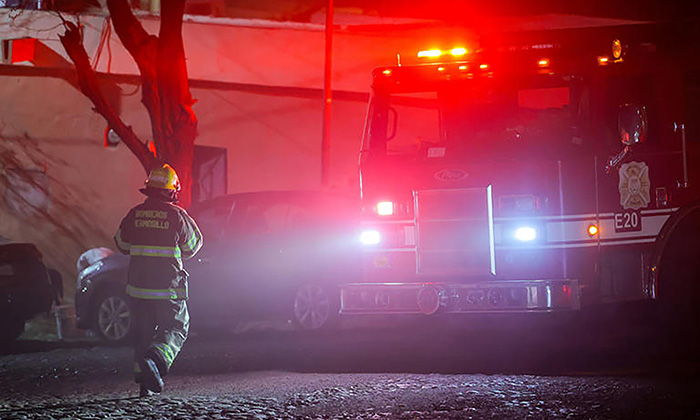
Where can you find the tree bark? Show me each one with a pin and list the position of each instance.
(89, 85)
(165, 87)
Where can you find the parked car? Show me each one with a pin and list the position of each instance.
(265, 254)
(27, 287)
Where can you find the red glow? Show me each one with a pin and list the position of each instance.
(544, 62)
(603, 60)
(152, 148)
(458, 51)
(543, 98)
(484, 66)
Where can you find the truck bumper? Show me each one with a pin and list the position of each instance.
(478, 297)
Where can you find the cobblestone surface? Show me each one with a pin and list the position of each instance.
(345, 375)
(379, 396)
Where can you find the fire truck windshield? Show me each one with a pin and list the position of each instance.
(470, 120)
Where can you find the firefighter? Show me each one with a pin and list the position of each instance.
(157, 235)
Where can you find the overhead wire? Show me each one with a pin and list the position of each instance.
(109, 45)
(104, 38)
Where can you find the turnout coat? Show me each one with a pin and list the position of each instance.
(158, 235)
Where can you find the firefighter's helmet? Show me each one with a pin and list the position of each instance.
(163, 178)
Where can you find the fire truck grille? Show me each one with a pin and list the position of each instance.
(454, 232)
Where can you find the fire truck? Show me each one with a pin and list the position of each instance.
(544, 171)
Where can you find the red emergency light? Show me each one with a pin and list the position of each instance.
(429, 53)
(435, 53)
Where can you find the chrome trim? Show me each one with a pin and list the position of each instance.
(480, 297)
(381, 221)
(483, 264)
(492, 241)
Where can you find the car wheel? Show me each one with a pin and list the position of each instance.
(113, 317)
(314, 307)
(11, 329)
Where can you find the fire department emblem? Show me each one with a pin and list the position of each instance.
(634, 185)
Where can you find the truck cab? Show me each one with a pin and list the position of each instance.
(540, 172)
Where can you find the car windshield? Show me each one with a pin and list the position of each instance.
(470, 122)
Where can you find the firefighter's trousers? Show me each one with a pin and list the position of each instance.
(160, 330)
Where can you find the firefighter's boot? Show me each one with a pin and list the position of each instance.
(145, 392)
(150, 377)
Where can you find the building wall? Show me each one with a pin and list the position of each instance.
(47, 126)
(47, 129)
(274, 142)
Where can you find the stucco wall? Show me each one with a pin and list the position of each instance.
(256, 51)
(274, 142)
(47, 126)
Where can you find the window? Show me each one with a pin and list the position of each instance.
(214, 220)
(265, 219)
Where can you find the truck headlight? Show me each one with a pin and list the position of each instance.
(525, 233)
(370, 237)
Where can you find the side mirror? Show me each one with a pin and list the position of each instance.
(632, 124)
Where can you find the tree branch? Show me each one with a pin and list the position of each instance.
(130, 31)
(143, 47)
(89, 85)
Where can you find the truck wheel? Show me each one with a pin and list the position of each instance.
(112, 317)
(679, 289)
(314, 307)
(11, 328)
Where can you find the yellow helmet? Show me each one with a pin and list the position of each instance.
(164, 178)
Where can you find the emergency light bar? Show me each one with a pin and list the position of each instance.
(429, 53)
(454, 52)
(385, 208)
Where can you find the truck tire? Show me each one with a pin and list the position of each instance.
(112, 316)
(314, 307)
(678, 313)
(11, 328)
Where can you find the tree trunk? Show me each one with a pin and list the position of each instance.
(165, 87)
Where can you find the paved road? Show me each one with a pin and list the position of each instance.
(407, 369)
